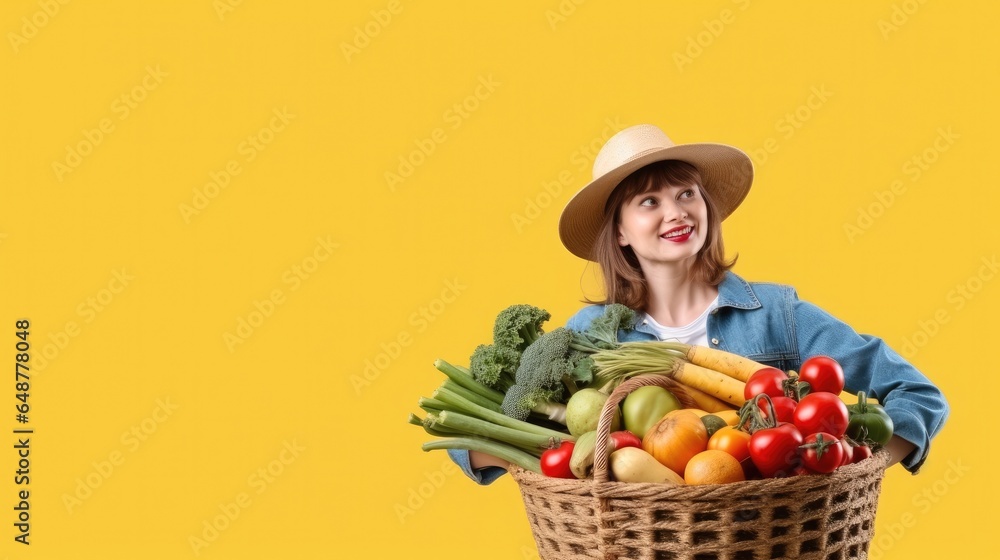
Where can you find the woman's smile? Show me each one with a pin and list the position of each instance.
(678, 234)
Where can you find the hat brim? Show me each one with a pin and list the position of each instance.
(726, 172)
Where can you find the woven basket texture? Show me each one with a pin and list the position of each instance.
(811, 516)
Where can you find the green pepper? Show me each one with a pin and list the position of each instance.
(645, 406)
(868, 422)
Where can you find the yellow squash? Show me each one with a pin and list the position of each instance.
(631, 464)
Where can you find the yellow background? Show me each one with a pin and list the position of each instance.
(282, 425)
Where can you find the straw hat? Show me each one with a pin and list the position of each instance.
(726, 172)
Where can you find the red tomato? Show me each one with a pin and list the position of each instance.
(555, 462)
(823, 374)
(848, 452)
(822, 453)
(861, 452)
(624, 438)
(775, 451)
(821, 412)
(768, 381)
(784, 407)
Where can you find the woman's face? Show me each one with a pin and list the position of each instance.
(669, 225)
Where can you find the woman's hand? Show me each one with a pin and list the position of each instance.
(479, 460)
(898, 448)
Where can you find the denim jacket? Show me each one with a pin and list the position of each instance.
(768, 323)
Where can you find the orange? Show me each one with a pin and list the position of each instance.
(713, 467)
(732, 441)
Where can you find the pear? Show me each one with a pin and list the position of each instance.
(583, 410)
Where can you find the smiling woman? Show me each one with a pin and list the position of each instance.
(651, 219)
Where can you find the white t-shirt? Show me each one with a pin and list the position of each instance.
(695, 332)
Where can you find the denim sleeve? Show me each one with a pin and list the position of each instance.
(580, 321)
(917, 407)
(483, 476)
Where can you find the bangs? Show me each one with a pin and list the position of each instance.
(651, 178)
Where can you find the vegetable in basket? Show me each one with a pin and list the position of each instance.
(582, 462)
(548, 370)
(655, 357)
(526, 373)
(823, 374)
(584, 410)
(514, 329)
(645, 406)
(774, 446)
(467, 415)
(556, 463)
(555, 364)
(868, 422)
(631, 464)
(822, 453)
(821, 412)
(676, 438)
(733, 365)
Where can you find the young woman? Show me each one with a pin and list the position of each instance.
(651, 219)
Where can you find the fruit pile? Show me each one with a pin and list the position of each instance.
(790, 424)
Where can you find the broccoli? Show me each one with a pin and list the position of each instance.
(560, 361)
(521, 400)
(518, 326)
(548, 367)
(514, 329)
(494, 365)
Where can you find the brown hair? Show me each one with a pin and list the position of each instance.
(623, 279)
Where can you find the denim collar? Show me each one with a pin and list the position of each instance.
(736, 292)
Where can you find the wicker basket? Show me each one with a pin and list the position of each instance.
(812, 516)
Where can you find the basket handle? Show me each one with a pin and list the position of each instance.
(601, 472)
